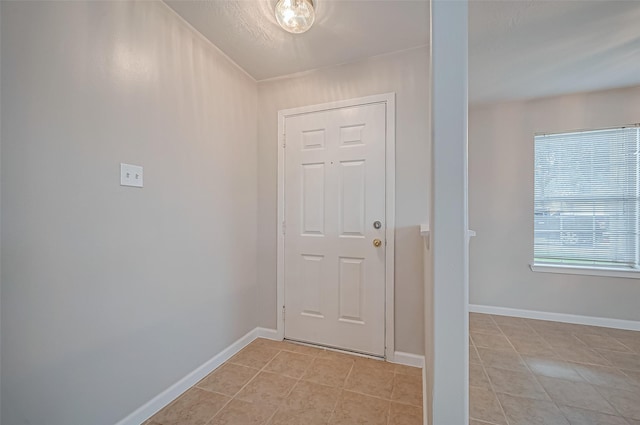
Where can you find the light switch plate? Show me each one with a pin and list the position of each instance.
(131, 175)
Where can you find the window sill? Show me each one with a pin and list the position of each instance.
(588, 271)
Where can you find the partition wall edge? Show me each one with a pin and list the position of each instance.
(449, 214)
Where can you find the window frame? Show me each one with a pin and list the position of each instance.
(586, 269)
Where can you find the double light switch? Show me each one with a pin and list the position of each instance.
(131, 175)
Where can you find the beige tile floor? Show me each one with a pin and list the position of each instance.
(525, 372)
(276, 383)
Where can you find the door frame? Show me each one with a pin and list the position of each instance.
(389, 100)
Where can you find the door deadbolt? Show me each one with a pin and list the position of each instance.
(377, 225)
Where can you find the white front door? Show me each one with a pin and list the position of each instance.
(334, 243)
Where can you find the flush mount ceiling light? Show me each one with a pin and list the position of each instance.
(295, 16)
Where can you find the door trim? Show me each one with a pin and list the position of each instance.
(389, 99)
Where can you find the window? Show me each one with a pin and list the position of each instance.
(587, 199)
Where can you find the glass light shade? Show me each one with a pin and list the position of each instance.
(295, 16)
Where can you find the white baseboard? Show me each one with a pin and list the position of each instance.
(557, 317)
(267, 334)
(408, 359)
(167, 396)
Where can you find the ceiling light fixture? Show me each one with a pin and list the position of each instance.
(295, 16)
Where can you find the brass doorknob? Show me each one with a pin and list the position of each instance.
(377, 242)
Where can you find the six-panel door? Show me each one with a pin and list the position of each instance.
(334, 193)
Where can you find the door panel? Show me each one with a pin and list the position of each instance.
(352, 192)
(313, 199)
(312, 289)
(334, 191)
(351, 275)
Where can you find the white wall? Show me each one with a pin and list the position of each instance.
(405, 73)
(111, 294)
(501, 157)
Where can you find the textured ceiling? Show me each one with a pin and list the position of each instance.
(344, 31)
(526, 49)
(517, 48)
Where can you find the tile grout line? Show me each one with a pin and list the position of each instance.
(582, 342)
(248, 382)
(288, 393)
(391, 401)
(526, 365)
(298, 380)
(389, 414)
(625, 373)
(631, 350)
(566, 361)
(615, 409)
(218, 412)
(599, 388)
(335, 406)
(603, 348)
(535, 377)
(595, 387)
(243, 387)
(493, 390)
(342, 390)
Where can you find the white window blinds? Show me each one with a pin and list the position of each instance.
(587, 198)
